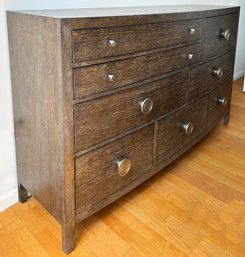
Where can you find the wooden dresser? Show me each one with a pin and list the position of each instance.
(105, 98)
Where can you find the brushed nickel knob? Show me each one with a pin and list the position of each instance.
(192, 31)
(190, 56)
(187, 127)
(110, 77)
(123, 166)
(225, 34)
(219, 72)
(222, 100)
(111, 43)
(146, 105)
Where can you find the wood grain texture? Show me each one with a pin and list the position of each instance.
(105, 202)
(213, 43)
(171, 137)
(96, 172)
(103, 118)
(37, 104)
(52, 95)
(68, 177)
(92, 44)
(195, 207)
(215, 111)
(161, 14)
(94, 79)
(202, 79)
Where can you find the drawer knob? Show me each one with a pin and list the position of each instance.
(190, 56)
(225, 34)
(111, 43)
(146, 105)
(192, 31)
(110, 77)
(219, 72)
(187, 127)
(222, 100)
(123, 166)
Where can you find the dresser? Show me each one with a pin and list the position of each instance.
(105, 98)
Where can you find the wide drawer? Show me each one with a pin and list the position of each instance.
(219, 101)
(94, 44)
(219, 34)
(104, 171)
(95, 79)
(205, 77)
(100, 119)
(180, 128)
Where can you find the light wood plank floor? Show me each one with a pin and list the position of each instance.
(196, 207)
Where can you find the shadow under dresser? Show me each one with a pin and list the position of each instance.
(105, 98)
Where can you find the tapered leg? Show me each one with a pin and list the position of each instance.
(23, 194)
(68, 237)
(226, 118)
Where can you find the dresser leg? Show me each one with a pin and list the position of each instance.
(226, 119)
(23, 194)
(68, 237)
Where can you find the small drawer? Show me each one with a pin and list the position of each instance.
(95, 44)
(219, 34)
(180, 128)
(100, 119)
(205, 77)
(219, 101)
(108, 169)
(95, 79)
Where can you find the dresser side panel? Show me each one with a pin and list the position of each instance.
(35, 57)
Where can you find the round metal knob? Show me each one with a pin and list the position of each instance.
(110, 77)
(111, 43)
(190, 56)
(146, 105)
(188, 127)
(123, 166)
(192, 31)
(222, 100)
(219, 72)
(225, 34)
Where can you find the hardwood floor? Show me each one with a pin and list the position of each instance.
(196, 208)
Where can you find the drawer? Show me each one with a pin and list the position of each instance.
(94, 44)
(100, 119)
(108, 169)
(205, 77)
(180, 128)
(219, 34)
(95, 79)
(219, 101)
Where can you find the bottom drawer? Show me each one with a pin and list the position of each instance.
(104, 171)
(219, 101)
(180, 128)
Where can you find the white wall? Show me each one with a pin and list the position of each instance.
(8, 191)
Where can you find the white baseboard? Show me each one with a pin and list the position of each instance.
(238, 75)
(8, 199)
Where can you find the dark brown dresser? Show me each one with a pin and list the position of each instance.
(105, 98)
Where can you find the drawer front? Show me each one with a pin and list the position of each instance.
(205, 77)
(219, 101)
(104, 77)
(94, 44)
(105, 117)
(175, 131)
(104, 171)
(216, 34)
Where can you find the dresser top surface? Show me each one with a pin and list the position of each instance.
(122, 11)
